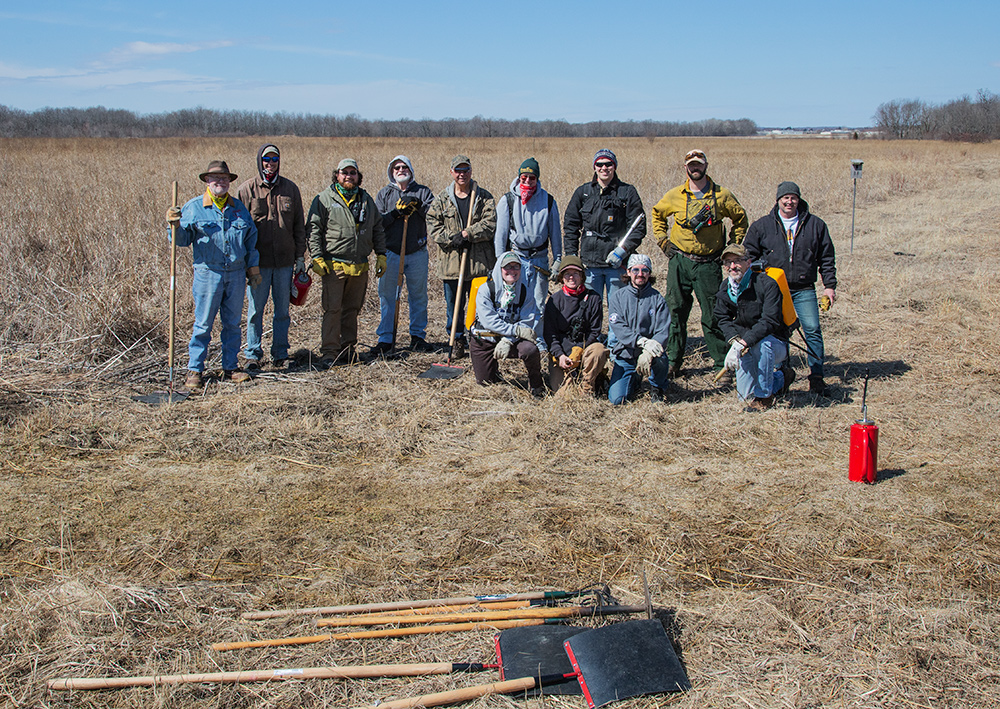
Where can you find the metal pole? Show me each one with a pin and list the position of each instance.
(854, 203)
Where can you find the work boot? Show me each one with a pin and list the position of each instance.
(237, 376)
(459, 350)
(253, 366)
(675, 370)
(193, 380)
(816, 385)
(538, 392)
(760, 404)
(381, 349)
(348, 355)
(279, 363)
(419, 344)
(656, 395)
(789, 374)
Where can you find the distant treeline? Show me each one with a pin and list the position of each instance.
(964, 119)
(100, 122)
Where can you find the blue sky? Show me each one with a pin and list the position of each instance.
(780, 64)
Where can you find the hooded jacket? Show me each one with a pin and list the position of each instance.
(491, 321)
(635, 313)
(756, 312)
(334, 234)
(812, 248)
(528, 229)
(444, 222)
(385, 200)
(597, 219)
(276, 210)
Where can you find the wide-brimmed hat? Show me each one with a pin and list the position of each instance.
(217, 167)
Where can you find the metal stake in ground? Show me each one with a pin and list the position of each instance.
(399, 279)
(856, 166)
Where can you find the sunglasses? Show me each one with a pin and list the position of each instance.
(269, 158)
(400, 167)
(462, 169)
(638, 269)
(604, 165)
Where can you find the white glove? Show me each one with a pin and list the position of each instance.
(652, 346)
(525, 333)
(645, 364)
(733, 356)
(502, 349)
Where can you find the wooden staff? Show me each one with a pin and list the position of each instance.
(172, 297)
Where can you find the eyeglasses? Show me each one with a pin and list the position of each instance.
(217, 178)
(269, 158)
(639, 270)
(400, 168)
(731, 264)
(350, 172)
(604, 165)
(462, 170)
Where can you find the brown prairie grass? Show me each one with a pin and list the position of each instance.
(134, 536)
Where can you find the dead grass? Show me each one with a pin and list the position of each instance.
(134, 536)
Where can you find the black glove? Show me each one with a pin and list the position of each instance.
(457, 241)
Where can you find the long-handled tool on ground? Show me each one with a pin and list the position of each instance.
(399, 279)
(356, 672)
(539, 596)
(447, 370)
(431, 627)
(170, 395)
(478, 616)
(611, 663)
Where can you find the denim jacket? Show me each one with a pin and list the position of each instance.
(221, 241)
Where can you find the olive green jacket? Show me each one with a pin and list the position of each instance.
(443, 221)
(333, 233)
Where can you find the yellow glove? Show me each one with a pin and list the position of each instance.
(825, 303)
(321, 266)
(576, 356)
(380, 265)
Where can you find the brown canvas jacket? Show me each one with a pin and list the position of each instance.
(277, 213)
(444, 221)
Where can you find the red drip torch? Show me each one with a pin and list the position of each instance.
(300, 286)
(863, 465)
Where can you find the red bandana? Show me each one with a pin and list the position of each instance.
(527, 191)
(578, 291)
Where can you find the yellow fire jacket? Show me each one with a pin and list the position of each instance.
(681, 204)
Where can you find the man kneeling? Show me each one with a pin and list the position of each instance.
(748, 308)
(506, 318)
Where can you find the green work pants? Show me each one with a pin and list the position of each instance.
(685, 277)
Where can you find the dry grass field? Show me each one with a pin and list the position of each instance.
(133, 536)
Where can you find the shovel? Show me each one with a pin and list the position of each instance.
(610, 664)
(446, 370)
(169, 396)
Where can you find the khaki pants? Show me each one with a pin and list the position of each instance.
(343, 297)
(594, 361)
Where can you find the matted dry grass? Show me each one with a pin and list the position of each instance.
(133, 536)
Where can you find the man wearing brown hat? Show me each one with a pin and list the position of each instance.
(572, 330)
(462, 219)
(694, 244)
(749, 309)
(223, 239)
(275, 204)
(344, 227)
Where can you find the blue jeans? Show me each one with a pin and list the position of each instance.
(755, 374)
(607, 279)
(625, 382)
(216, 293)
(538, 287)
(415, 275)
(450, 289)
(277, 282)
(807, 308)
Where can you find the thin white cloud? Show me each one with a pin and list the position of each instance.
(22, 73)
(133, 51)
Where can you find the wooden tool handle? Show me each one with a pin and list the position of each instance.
(455, 696)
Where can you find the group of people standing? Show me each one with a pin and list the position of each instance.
(496, 254)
